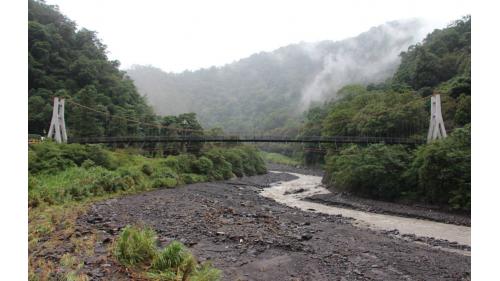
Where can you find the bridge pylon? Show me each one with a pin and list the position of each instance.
(57, 130)
(436, 126)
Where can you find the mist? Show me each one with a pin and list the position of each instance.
(371, 57)
(270, 89)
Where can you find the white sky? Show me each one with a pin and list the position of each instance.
(187, 34)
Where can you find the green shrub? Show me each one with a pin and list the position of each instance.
(235, 158)
(101, 157)
(203, 165)
(50, 157)
(88, 164)
(256, 159)
(135, 174)
(440, 171)
(221, 168)
(172, 162)
(193, 178)
(375, 171)
(47, 157)
(55, 178)
(135, 246)
(164, 182)
(185, 162)
(147, 169)
(74, 152)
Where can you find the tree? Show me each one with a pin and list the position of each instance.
(60, 57)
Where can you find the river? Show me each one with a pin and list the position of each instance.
(283, 192)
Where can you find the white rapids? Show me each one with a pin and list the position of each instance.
(312, 185)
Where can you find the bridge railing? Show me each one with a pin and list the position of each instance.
(229, 138)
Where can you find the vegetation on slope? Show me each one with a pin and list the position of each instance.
(64, 61)
(436, 173)
(269, 90)
(277, 158)
(59, 173)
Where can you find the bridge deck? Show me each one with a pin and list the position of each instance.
(254, 139)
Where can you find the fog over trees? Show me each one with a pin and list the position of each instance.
(270, 90)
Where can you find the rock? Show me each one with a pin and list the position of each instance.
(306, 237)
(94, 220)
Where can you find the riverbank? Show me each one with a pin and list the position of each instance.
(340, 199)
(251, 237)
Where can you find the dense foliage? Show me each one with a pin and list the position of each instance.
(445, 54)
(440, 171)
(374, 171)
(59, 173)
(64, 61)
(437, 173)
(363, 112)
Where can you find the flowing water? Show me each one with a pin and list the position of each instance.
(283, 192)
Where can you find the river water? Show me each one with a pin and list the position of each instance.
(312, 185)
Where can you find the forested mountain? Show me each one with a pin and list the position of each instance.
(438, 172)
(270, 89)
(443, 56)
(64, 61)
(441, 64)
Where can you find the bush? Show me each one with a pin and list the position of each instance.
(255, 159)
(88, 164)
(375, 171)
(440, 171)
(234, 157)
(172, 162)
(185, 163)
(101, 157)
(49, 157)
(164, 182)
(135, 246)
(203, 165)
(147, 169)
(55, 178)
(222, 170)
(193, 178)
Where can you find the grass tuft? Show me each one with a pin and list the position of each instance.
(135, 246)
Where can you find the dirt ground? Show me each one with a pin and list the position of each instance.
(250, 237)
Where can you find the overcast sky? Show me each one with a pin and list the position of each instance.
(187, 34)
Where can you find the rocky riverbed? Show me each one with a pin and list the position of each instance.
(251, 237)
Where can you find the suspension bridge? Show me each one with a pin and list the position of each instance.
(247, 139)
(57, 132)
